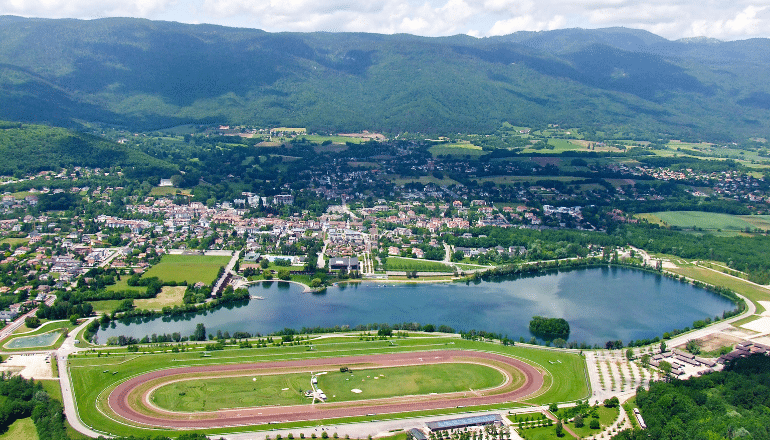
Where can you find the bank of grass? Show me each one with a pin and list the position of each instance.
(407, 264)
(168, 297)
(211, 394)
(751, 291)
(565, 373)
(189, 268)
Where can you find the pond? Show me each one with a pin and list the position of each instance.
(41, 340)
(600, 304)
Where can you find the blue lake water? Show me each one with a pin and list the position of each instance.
(600, 304)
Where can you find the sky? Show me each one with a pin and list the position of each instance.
(672, 19)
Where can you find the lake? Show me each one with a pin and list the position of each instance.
(600, 304)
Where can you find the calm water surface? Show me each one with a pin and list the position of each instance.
(600, 304)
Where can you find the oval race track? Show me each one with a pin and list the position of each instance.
(120, 398)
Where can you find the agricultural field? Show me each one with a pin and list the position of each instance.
(710, 221)
(406, 264)
(334, 139)
(189, 268)
(460, 149)
(95, 376)
(403, 180)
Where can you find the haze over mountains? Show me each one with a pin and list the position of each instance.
(142, 75)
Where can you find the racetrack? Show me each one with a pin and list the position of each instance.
(130, 400)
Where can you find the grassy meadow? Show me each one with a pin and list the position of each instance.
(189, 268)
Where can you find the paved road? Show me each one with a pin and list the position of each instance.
(70, 410)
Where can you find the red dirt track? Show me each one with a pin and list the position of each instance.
(120, 397)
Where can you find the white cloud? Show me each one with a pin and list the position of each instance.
(670, 18)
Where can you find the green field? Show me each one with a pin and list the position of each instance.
(287, 389)
(460, 149)
(189, 268)
(406, 264)
(709, 220)
(21, 429)
(94, 376)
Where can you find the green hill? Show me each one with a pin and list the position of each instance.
(31, 148)
(144, 74)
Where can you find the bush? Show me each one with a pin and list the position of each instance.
(594, 424)
(32, 321)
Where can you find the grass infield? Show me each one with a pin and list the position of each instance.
(287, 389)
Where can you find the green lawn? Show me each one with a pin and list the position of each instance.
(607, 417)
(286, 389)
(14, 241)
(190, 268)
(398, 264)
(565, 373)
(105, 306)
(21, 429)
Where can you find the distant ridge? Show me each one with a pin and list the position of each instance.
(143, 74)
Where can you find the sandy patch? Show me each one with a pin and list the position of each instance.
(716, 341)
(669, 265)
(356, 390)
(766, 305)
(761, 325)
(29, 365)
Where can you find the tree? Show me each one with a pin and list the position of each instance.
(553, 408)
(594, 424)
(665, 368)
(646, 360)
(264, 263)
(579, 422)
(630, 354)
(200, 332)
(662, 346)
(559, 429)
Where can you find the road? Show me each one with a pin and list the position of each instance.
(228, 271)
(70, 410)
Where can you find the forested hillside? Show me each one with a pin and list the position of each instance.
(144, 74)
(32, 148)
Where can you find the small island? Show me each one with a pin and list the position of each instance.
(549, 328)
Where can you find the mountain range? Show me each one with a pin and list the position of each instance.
(143, 75)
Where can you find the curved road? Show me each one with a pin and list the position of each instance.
(119, 399)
